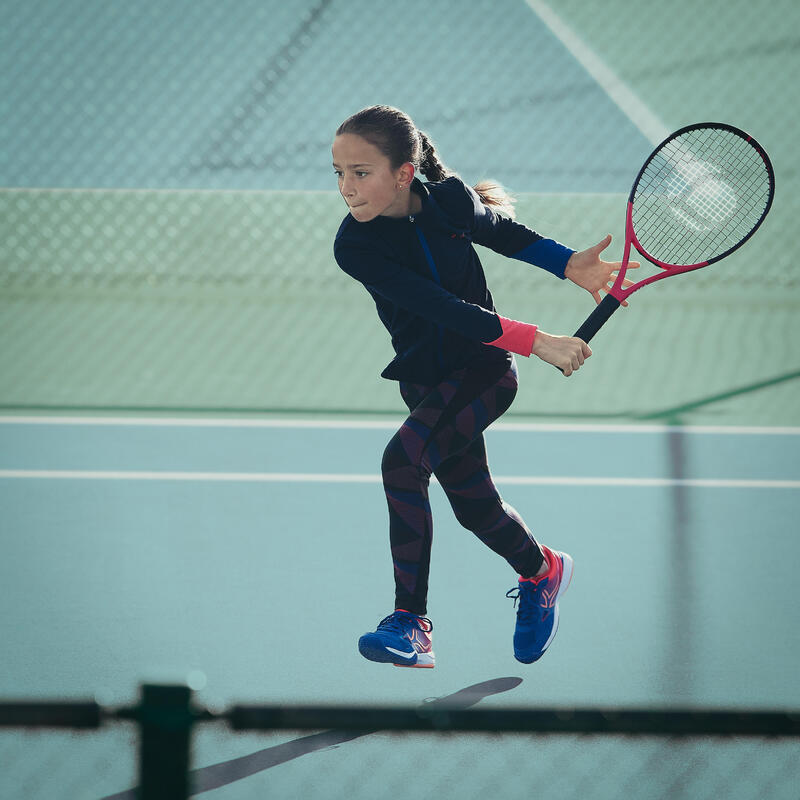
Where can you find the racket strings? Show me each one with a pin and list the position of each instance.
(699, 196)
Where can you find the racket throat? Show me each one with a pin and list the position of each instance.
(617, 290)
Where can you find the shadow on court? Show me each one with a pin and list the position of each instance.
(226, 772)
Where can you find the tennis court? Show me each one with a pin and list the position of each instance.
(190, 444)
(179, 546)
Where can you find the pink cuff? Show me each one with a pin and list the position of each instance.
(517, 336)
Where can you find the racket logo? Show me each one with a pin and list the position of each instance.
(695, 192)
(705, 206)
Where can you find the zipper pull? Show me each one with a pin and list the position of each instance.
(410, 218)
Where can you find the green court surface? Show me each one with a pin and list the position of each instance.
(192, 418)
(91, 325)
(176, 253)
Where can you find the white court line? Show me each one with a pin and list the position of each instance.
(392, 424)
(334, 477)
(628, 101)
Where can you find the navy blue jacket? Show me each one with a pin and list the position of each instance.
(427, 280)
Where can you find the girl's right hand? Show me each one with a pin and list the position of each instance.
(565, 352)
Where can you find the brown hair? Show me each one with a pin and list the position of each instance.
(394, 133)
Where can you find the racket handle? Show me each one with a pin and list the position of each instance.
(605, 308)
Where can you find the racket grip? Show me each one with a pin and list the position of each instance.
(604, 309)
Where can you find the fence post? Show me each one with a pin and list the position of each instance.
(165, 718)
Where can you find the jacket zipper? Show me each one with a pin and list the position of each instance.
(435, 273)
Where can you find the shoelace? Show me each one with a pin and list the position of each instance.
(528, 605)
(397, 622)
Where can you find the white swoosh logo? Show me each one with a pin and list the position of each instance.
(401, 653)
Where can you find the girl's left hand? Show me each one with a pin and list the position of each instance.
(590, 272)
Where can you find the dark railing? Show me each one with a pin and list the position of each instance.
(166, 716)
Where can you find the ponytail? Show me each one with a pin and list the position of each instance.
(394, 133)
(429, 164)
(491, 193)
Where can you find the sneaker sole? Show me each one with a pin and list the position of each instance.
(424, 661)
(382, 656)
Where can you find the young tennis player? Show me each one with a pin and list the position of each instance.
(410, 243)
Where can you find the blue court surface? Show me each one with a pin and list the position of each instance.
(255, 552)
(216, 547)
(247, 95)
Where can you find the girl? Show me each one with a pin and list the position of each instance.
(411, 245)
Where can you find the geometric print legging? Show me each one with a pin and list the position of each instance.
(444, 436)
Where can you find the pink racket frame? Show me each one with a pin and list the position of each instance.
(669, 269)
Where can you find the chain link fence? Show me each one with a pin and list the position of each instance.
(126, 283)
(167, 207)
(439, 749)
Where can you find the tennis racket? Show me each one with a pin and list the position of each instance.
(701, 194)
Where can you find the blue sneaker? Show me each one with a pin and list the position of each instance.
(537, 614)
(402, 639)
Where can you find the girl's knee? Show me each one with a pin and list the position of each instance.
(401, 456)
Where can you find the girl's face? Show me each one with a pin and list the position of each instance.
(367, 182)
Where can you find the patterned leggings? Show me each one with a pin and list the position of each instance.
(444, 436)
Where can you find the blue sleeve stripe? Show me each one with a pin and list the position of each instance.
(547, 254)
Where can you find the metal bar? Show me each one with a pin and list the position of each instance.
(44, 714)
(653, 722)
